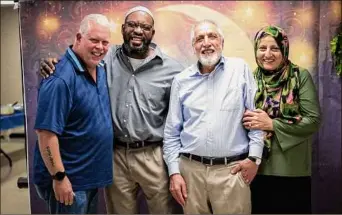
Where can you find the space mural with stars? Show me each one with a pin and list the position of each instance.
(49, 27)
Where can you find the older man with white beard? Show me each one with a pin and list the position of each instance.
(205, 143)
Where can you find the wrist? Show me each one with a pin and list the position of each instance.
(59, 176)
(255, 160)
(270, 125)
(174, 174)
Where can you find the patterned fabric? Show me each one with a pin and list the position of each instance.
(278, 90)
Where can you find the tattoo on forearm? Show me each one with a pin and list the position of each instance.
(48, 150)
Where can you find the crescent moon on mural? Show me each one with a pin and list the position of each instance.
(236, 42)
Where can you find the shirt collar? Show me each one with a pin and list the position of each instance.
(196, 70)
(76, 61)
(155, 47)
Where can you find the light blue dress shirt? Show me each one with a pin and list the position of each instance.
(206, 110)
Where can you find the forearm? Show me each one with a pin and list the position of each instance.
(305, 128)
(256, 143)
(171, 150)
(290, 135)
(49, 150)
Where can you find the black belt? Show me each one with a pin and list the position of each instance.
(213, 160)
(136, 144)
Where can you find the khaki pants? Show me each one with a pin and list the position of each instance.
(134, 168)
(213, 189)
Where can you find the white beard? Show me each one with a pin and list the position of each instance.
(209, 60)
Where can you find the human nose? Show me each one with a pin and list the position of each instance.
(268, 53)
(99, 45)
(137, 29)
(206, 42)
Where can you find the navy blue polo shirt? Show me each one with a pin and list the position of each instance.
(77, 110)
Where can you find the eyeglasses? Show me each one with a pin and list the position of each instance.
(144, 27)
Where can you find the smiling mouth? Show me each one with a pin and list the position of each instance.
(97, 54)
(268, 61)
(207, 51)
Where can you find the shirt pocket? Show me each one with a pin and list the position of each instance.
(152, 97)
(231, 100)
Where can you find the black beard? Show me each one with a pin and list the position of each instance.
(141, 51)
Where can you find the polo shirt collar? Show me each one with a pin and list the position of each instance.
(75, 60)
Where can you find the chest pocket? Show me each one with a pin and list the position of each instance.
(152, 97)
(232, 100)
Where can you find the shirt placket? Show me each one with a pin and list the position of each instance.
(210, 103)
(127, 106)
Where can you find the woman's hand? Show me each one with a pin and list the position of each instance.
(257, 119)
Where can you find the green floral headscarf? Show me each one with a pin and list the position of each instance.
(278, 90)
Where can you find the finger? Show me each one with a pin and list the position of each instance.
(180, 197)
(49, 63)
(184, 191)
(249, 113)
(246, 124)
(248, 118)
(61, 198)
(70, 198)
(236, 169)
(258, 111)
(174, 194)
(54, 60)
(57, 197)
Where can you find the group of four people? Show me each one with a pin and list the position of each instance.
(110, 115)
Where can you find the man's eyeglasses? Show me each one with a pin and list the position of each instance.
(144, 27)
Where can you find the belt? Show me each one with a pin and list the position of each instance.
(136, 144)
(213, 160)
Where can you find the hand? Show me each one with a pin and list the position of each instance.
(63, 191)
(47, 66)
(248, 170)
(178, 188)
(257, 119)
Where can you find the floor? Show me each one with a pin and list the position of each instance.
(13, 199)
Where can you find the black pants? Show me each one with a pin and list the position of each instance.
(281, 195)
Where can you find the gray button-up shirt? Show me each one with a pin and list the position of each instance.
(140, 98)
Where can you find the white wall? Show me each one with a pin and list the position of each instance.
(11, 79)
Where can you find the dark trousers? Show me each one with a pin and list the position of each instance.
(281, 195)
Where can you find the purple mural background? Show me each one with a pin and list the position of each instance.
(48, 27)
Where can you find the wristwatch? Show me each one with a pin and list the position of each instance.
(256, 160)
(59, 176)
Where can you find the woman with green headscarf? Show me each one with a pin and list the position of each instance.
(288, 111)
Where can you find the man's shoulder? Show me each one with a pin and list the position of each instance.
(234, 60)
(168, 60)
(65, 70)
(186, 73)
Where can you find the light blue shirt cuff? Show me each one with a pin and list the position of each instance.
(173, 168)
(255, 150)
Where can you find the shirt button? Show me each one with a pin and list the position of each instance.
(124, 120)
(133, 75)
(126, 135)
(126, 105)
(129, 90)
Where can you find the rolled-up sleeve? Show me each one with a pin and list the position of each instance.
(256, 140)
(172, 130)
